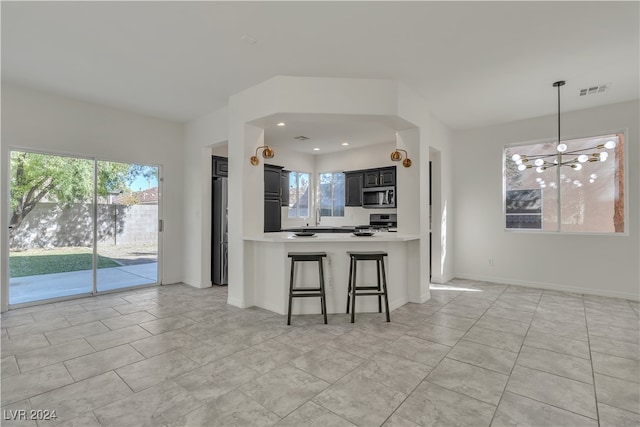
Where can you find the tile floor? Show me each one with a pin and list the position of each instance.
(476, 354)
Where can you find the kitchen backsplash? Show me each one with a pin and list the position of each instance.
(352, 216)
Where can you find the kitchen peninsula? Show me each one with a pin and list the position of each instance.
(272, 269)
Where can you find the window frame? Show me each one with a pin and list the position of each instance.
(310, 197)
(319, 204)
(559, 231)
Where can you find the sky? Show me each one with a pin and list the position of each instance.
(142, 183)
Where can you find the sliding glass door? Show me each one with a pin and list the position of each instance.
(127, 218)
(80, 226)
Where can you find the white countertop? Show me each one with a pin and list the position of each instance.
(290, 237)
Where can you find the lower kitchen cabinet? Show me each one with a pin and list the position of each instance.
(272, 212)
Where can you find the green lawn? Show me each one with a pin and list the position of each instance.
(27, 264)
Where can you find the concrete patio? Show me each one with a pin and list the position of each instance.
(56, 285)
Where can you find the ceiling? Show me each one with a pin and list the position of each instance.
(476, 63)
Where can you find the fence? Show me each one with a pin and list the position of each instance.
(51, 225)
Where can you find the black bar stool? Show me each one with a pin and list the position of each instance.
(304, 292)
(380, 290)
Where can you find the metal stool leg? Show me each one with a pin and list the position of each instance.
(290, 293)
(349, 286)
(386, 295)
(379, 289)
(353, 291)
(323, 301)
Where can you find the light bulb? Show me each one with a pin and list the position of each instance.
(610, 144)
(576, 182)
(583, 158)
(539, 169)
(561, 148)
(539, 162)
(543, 185)
(603, 156)
(592, 180)
(594, 176)
(555, 162)
(577, 166)
(521, 167)
(538, 179)
(519, 162)
(516, 157)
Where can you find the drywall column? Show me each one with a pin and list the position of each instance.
(413, 211)
(246, 208)
(196, 196)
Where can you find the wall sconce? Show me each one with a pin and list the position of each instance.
(267, 153)
(396, 156)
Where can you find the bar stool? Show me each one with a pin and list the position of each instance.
(380, 290)
(305, 292)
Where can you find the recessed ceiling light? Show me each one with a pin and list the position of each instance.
(345, 143)
(316, 149)
(280, 124)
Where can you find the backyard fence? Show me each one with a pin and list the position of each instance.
(51, 225)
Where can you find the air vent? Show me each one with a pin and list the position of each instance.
(301, 138)
(594, 89)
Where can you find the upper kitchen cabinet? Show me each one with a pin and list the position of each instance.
(388, 176)
(272, 179)
(353, 188)
(220, 167)
(272, 197)
(384, 177)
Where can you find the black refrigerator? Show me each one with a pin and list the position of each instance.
(219, 232)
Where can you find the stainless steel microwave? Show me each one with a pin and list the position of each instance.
(379, 197)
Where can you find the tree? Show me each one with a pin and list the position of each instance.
(37, 177)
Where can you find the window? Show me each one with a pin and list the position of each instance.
(299, 189)
(331, 194)
(584, 194)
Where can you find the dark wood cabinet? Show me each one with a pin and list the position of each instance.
(388, 176)
(383, 177)
(272, 197)
(272, 181)
(284, 188)
(355, 181)
(272, 214)
(371, 178)
(353, 188)
(220, 167)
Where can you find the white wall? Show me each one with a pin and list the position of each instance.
(591, 264)
(443, 226)
(34, 120)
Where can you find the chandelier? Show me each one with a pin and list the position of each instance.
(572, 158)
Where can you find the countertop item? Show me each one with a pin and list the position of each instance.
(321, 229)
(304, 233)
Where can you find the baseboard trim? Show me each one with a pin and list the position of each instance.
(236, 303)
(550, 286)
